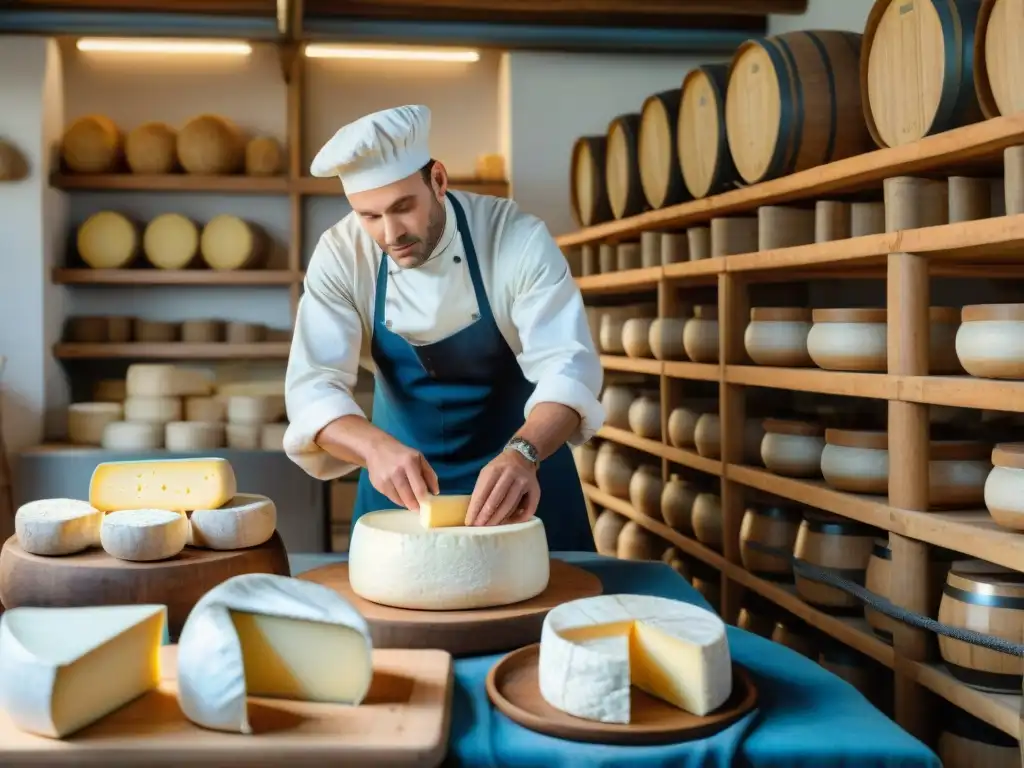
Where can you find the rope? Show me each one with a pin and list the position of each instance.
(882, 605)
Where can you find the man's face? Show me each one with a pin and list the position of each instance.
(406, 219)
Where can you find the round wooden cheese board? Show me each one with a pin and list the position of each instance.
(514, 689)
(95, 578)
(463, 633)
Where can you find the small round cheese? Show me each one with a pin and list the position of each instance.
(91, 144)
(152, 410)
(157, 380)
(205, 409)
(193, 436)
(255, 409)
(272, 437)
(394, 561)
(247, 520)
(244, 437)
(107, 240)
(87, 421)
(210, 145)
(57, 526)
(262, 156)
(144, 535)
(228, 243)
(109, 391)
(133, 436)
(149, 148)
(170, 241)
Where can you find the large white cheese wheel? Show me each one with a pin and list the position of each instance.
(133, 436)
(175, 484)
(157, 380)
(57, 526)
(86, 421)
(144, 535)
(247, 520)
(152, 410)
(394, 561)
(205, 409)
(62, 669)
(193, 436)
(107, 240)
(592, 650)
(264, 635)
(170, 241)
(228, 242)
(255, 409)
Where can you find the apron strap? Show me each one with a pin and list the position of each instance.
(471, 261)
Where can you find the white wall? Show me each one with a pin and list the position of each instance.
(847, 15)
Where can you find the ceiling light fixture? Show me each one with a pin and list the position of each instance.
(321, 51)
(163, 46)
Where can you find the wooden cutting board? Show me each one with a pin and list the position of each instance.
(403, 722)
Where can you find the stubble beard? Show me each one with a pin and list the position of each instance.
(422, 252)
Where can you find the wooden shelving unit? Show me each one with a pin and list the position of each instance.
(906, 260)
(266, 350)
(250, 277)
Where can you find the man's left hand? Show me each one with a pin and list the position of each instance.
(506, 491)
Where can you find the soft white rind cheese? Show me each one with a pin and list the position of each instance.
(144, 535)
(62, 669)
(247, 520)
(57, 526)
(394, 561)
(592, 650)
(261, 634)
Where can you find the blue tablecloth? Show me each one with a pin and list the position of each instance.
(806, 718)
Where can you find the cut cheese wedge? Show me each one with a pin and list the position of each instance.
(394, 561)
(444, 511)
(62, 669)
(247, 520)
(144, 535)
(175, 484)
(57, 526)
(592, 650)
(264, 635)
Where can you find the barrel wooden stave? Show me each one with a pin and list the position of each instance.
(587, 190)
(998, 57)
(658, 152)
(967, 742)
(772, 526)
(837, 544)
(622, 167)
(703, 146)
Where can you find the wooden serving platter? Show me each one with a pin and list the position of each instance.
(403, 722)
(463, 633)
(95, 578)
(513, 687)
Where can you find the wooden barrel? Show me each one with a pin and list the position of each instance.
(917, 68)
(758, 615)
(998, 57)
(967, 742)
(588, 193)
(854, 667)
(840, 545)
(793, 102)
(703, 150)
(794, 634)
(774, 526)
(986, 598)
(622, 167)
(660, 174)
(607, 527)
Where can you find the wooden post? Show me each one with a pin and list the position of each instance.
(296, 92)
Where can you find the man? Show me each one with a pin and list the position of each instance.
(485, 366)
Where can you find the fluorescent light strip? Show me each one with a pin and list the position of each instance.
(143, 45)
(314, 51)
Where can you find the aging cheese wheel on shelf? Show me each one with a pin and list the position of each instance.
(998, 57)
(133, 436)
(675, 651)
(703, 146)
(205, 409)
(187, 436)
(157, 380)
(272, 437)
(144, 535)
(109, 391)
(150, 148)
(202, 331)
(247, 520)
(155, 331)
(244, 437)
(86, 421)
(170, 241)
(660, 175)
(211, 145)
(57, 526)
(91, 144)
(255, 409)
(86, 330)
(152, 410)
(56, 663)
(107, 240)
(263, 157)
(622, 167)
(228, 242)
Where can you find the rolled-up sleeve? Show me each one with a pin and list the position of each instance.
(323, 364)
(558, 352)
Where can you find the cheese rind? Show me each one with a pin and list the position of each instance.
(193, 436)
(175, 484)
(144, 535)
(57, 526)
(266, 635)
(444, 511)
(248, 520)
(152, 410)
(159, 380)
(592, 650)
(133, 436)
(62, 669)
(394, 561)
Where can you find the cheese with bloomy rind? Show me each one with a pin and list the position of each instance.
(265, 635)
(444, 511)
(144, 535)
(57, 526)
(175, 484)
(158, 380)
(247, 520)
(62, 669)
(394, 561)
(592, 650)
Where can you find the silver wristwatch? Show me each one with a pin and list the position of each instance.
(525, 448)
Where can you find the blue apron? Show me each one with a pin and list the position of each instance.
(458, 401)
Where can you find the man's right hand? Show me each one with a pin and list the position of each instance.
(400, 473)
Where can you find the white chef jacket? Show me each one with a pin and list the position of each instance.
(535, 301)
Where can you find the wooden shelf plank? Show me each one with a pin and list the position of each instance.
(173, 351)
(999, 711)
(693, 460)
(693, 371)
(657, 448)
(254, 277)
(876, 385)
(620, 282)
(698, 271)
(172, 182)
(631, 365)
(963, 392)
(960, 145)
(312, 185)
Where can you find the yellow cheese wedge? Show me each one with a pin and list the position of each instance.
(179, 485)
(444, 511)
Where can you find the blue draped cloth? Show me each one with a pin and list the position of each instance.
(806, 716)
